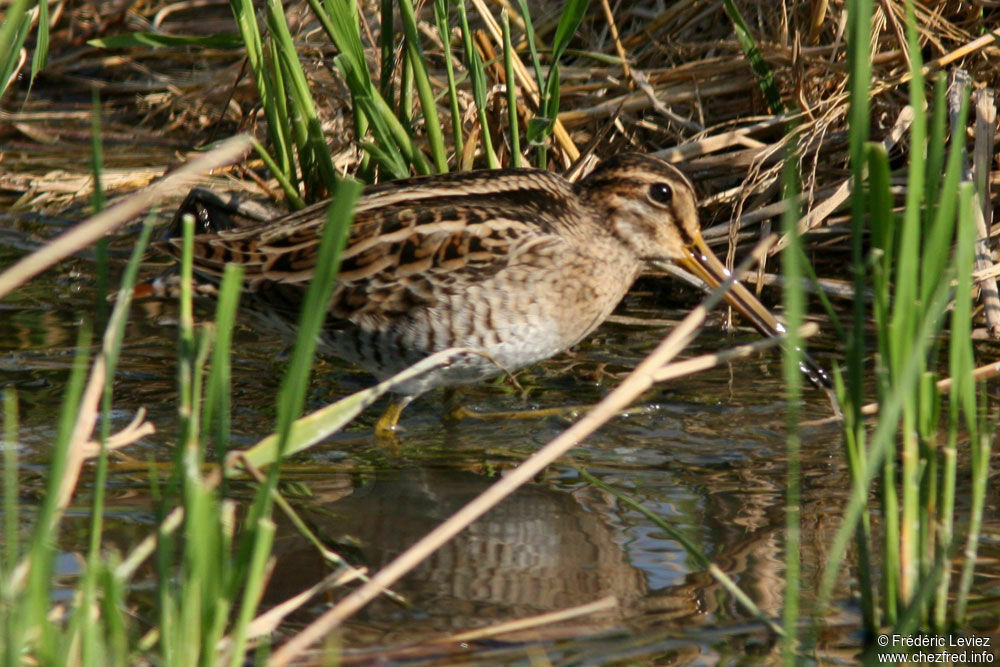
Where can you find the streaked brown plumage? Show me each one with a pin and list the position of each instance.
(521, 264)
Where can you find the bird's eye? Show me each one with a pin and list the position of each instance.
(661, 193)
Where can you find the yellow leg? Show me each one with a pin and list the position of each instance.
(385, 427)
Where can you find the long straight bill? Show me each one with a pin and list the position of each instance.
(703, 263)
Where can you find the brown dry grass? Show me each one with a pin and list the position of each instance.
(686, 91)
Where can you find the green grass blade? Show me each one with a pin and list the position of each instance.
(569, 22)
(291, 193)
(195, 582)
(851, 395)
(40, 57)
(910, 618)
(43, 542)
(942, 226)
(890, 536)
(342, 24)
(291, 135)
(113, 604)
(937, 141)
(291, 395)
(270, 94)
(535, 131)
(962, 397)
(508, 68)
(883, 224)
(387, 47)
(391, 133)
(13, 32)
(187, 451)
(882, 440)
(216, 409)
(101, 248)
(908, 289)
(859, 14)
(340, 21)
(794, 312)
(256, 571)
(314, 156)
(340, 214)
(404, 108)
(980, 435)
(112, 343)
(444, 32)
(477, 71)
(10, 636)
(759, 66)
(10, 484)
(432, 124)
(388, 161)
(540, 129)
(529, 33)
(828, 309)
(907, 310)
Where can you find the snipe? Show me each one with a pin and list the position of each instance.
(521, 264)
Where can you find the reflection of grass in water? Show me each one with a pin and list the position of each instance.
(197, 579)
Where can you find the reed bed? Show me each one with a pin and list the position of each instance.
(846, 128)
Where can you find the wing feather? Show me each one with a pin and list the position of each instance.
(413, 242)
